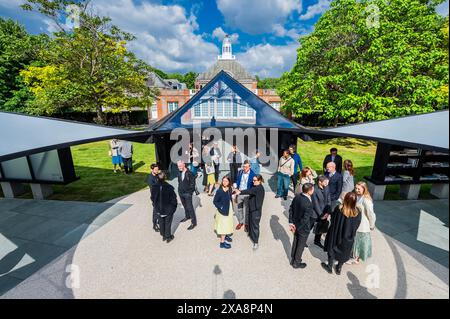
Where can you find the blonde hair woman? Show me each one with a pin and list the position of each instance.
(362, 248)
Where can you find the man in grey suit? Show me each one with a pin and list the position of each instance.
(321, 201)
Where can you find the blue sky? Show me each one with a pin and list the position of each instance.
(183, 35)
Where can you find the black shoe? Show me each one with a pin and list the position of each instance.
(285, 197)
(277, 196)
(338, 270)
(184, 220)
(299, 266)
(170, 238)
(164, 238)
(319, 244)
(191, 227)
(327, 268)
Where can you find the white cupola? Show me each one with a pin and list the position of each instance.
(227, 52)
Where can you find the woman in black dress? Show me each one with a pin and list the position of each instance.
(164, 198)
(345, 221)
(255, 204)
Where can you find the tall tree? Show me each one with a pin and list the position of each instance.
(370, 60)
(87, 67)
(18, 49)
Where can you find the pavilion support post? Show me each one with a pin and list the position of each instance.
(439, 190)
(41, 191)
(376, 191)
(11, 189)
(410, 191)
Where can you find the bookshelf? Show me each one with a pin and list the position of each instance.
(409, 168)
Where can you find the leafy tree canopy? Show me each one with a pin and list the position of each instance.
(371, 60)
(87, 67)
(18, 49)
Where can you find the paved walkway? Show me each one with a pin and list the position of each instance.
(125, 258)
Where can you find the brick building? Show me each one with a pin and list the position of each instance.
(174, 94)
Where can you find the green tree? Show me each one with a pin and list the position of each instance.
(370, 60)
(18, 49)
(87, 68)
(267, 83)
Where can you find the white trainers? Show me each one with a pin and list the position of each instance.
(255, 246)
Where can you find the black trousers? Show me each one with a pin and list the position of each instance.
(216, 172)
(253, 225)
(294, 178)
(155, 215)
(317, 237)
(189, 211)
(298, 246)
(128, 165)
(165, 226)
(234, 168)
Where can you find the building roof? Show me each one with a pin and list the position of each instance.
(156, 81)
(233, 68)
(429, 131)
(22, 135)
(223, 84)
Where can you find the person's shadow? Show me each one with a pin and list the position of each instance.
(279, 233)
(286, 206)
(355, 288)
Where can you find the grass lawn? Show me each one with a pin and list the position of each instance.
(98, 183)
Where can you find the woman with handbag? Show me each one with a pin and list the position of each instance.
(285, 170)
(362, 248)
(224, 216)
(209, 170)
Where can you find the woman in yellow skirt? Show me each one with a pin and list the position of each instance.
(224, 223)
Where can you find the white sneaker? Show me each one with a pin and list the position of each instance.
(255, 246)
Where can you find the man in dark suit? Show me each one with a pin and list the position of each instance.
(186, 187)
(334, 184)
(321, 205)
(300, 219)
(335, 158)
(152, 180)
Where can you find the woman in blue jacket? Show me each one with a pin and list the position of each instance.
(224, 215)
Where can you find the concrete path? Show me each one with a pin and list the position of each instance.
(34, 233)
(125, 258)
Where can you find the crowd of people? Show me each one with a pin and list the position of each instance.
(331, 205)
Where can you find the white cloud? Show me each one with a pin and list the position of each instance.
(219, 34)
(11, 4)
(316, 9)
(165, 35)
(268, 60)
(257, 16)
(442, 9)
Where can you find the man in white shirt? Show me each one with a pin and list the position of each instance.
(126, 151)
(244, 181)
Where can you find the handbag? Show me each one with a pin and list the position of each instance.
(322, 226)
(209, 169)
